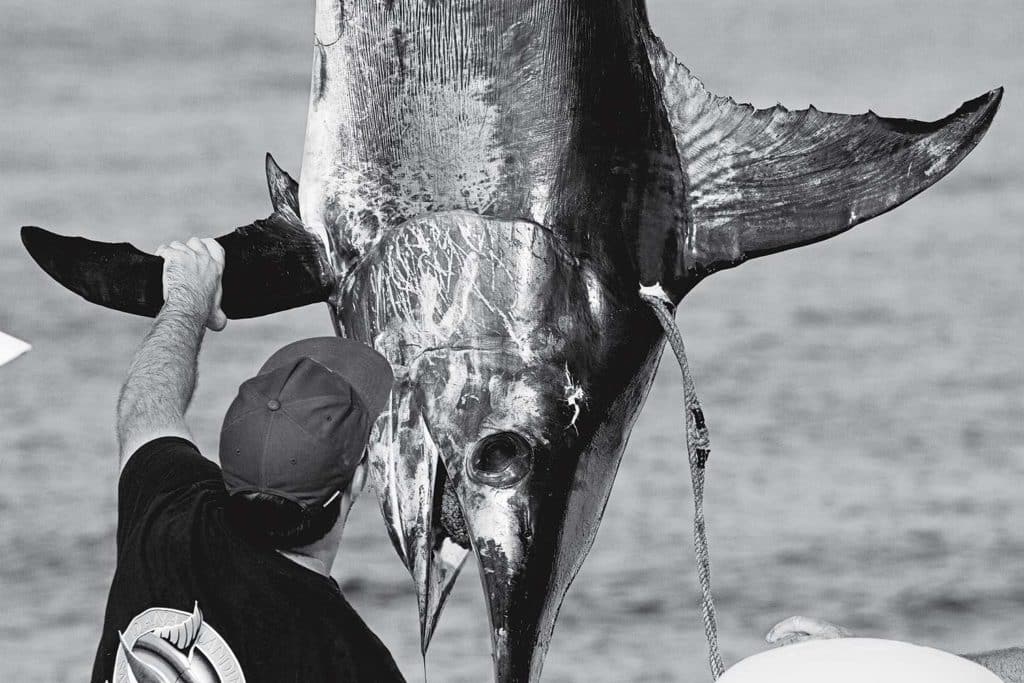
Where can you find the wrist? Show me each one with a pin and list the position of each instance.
(185, 309)
(186, 300)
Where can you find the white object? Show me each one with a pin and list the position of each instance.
(11, 348)
(857, 660)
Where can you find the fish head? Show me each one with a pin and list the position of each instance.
(518, 377)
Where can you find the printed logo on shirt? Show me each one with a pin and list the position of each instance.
(167, 645)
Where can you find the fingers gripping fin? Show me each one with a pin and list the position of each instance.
(271, 265)
(759, 181)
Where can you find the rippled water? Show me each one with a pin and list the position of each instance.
(866, 395)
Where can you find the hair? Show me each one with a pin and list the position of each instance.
(273, 521)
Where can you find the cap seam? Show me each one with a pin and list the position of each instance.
(239, 418)
(251, 393)
(262, 478)
(305, 431)
(346, 380)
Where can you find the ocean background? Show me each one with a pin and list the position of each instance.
(865, 395)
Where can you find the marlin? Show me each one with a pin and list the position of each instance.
(485, 187)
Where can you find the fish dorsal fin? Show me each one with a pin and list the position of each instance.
(759, 181)
(284, 191)
(183, 636)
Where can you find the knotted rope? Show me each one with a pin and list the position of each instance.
(698, 448)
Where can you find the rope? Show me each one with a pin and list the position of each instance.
(698, 448)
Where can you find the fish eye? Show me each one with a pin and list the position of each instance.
(500, 460)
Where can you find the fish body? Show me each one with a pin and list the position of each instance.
(478, 209)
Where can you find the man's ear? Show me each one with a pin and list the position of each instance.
(359, 478)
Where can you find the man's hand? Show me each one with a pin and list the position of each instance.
(192, 279)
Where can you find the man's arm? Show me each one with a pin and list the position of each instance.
(162, 377)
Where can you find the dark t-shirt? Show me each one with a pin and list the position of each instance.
(175, 550)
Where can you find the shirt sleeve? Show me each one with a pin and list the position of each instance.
(157, 468)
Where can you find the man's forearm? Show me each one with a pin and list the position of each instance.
(161, 378)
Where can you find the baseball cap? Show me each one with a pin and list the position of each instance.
(298, 429)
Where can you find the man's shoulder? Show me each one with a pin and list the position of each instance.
(159, 474)
(372, 656)
(167, 463)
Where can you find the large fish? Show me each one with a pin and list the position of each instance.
(485, 186)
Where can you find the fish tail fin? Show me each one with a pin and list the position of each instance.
(760, 181)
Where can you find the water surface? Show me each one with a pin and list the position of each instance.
(865, 395)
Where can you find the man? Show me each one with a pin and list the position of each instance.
(225, 575)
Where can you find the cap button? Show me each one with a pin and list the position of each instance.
(273, 404)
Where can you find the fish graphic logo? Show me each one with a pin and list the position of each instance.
(170, 646)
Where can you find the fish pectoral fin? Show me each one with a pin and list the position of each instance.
(759, 181)
(271, 265)
(284, 191)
